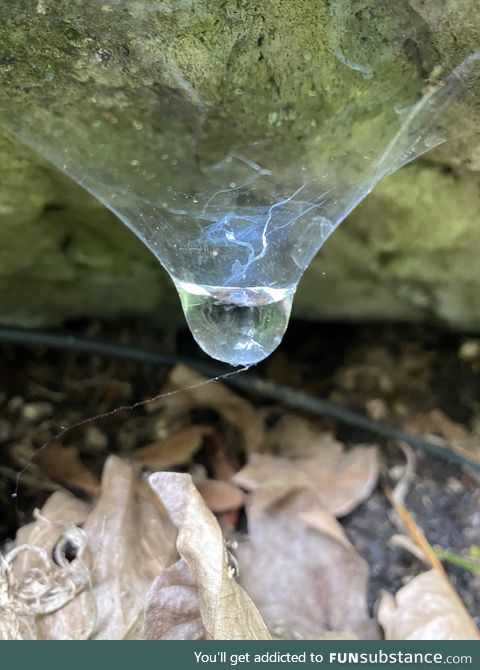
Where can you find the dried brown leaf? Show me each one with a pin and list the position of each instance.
(176, 449)
(455, 436)
(293, 550)
(125, 543)
(220, 496)
(172, 609)
(132, 544)
(425, 609)
(63, 465)
(227, 612)
(302, 573)
(340, 479)
(337, 635)
(61, 510)
(234, 409)
(294, 436)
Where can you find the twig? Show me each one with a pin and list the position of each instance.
(416, 534)
(413, 530)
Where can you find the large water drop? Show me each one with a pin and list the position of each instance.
(240, 326)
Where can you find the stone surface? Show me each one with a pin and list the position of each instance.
(250, 70)
(63, 255)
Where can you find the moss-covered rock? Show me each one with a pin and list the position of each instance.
(63, 255)
(206, 76)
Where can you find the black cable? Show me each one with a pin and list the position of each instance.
(81, 344)
(247, 382)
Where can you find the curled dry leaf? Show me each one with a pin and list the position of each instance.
(340, 479)
(176, 449)
(425, 609)
(63, 465)
(68, 582)
(234, 409)
(294, 436)
(302, 572)
(220, 496)
(172, 609)
(226, 611)
(132, 543)
(337, 635)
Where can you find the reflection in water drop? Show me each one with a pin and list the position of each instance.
(240, 326)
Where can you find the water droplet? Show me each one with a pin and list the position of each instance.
(239, 326)
(138, 125)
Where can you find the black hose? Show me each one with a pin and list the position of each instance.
(247, 382)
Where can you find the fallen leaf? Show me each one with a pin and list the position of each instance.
(340, 479)
(132, 544)
(172, 609)
(322, 521)
(453, 435)
(61, 510)
(302, 573)
(125, 543)
(294, 436)
(337, 635)
(425, 609)
(198, 391)
(220, 496)
(63, 465)
(226, 611)
(176, 449)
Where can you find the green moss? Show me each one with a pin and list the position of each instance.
(248, 70)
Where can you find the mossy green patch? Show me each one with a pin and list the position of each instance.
(203, 78)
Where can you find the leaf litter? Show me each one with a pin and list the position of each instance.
(222, 525)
